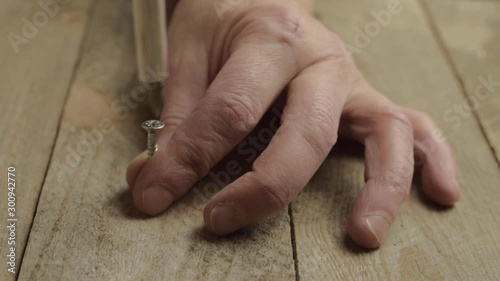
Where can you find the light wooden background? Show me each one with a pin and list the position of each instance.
(75, 216)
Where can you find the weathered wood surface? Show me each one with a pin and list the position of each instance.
(38, 53)
(426, 243)
(428, 56)
(86, 228)
(470, 33)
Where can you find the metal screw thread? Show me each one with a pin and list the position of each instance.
(152, 127)
(152, 145)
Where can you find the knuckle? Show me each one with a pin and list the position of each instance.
(328, 46)
(276, 189)
(239, 111)
(282, 22)
(397, 184)
(394, 184)
(322, 134)
(395, 118)
(425, 118)
(189, 155)
(335, 40)
(337, 48)
(427, 135)
(172, 120)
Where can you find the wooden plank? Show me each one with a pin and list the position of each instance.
(470, 31)
(426, 243)
(86, 227)
(39, 48)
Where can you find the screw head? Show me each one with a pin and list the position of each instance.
(153, 126)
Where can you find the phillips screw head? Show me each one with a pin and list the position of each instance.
(152, 127)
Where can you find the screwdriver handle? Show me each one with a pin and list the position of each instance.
(150, 28)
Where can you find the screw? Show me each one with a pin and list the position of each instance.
(152, 127)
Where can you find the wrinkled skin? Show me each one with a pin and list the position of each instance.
(229, 63)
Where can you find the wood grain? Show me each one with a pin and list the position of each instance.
(34, 81)
(86, 227)
(470, 32)
(426, 242)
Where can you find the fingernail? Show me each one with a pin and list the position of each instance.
(378, 225)
(225, 219)
(155, 200)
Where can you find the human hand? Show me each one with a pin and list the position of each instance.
(226, 71)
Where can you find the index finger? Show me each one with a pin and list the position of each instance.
(232, 107)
